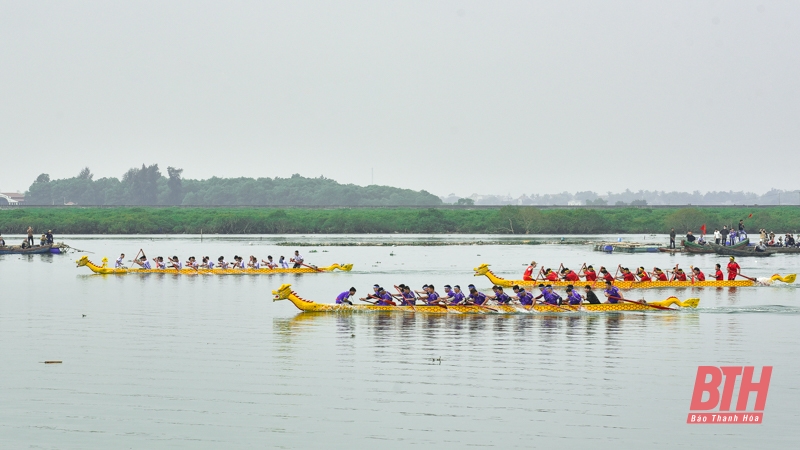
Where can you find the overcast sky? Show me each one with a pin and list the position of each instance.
(450, 96)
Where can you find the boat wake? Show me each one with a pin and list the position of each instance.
(770, 309)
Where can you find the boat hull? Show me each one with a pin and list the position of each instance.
(483, 269)
(105, 270)
(285, 293)
(742, 253)
(14, 250)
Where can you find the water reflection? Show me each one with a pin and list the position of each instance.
(385, 326)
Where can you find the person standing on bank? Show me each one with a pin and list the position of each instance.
(672, 238)
(717, 237)
(724, 234)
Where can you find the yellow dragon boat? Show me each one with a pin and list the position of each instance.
(483, 269)
(105, 270)
(285, 292)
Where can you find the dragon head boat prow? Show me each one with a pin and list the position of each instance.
(84, 260)
(282, 293)
(483, 269)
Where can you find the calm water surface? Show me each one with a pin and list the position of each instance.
(166, 361)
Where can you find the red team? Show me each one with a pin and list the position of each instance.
(641, 275)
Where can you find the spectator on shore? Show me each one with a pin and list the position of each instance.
(724, 234)
(672, 238)
(717, 237)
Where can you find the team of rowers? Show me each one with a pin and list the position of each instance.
(453, 295)
(624, 274)
(238, 262)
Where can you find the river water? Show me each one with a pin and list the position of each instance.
(167, 361)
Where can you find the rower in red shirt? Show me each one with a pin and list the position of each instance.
(733, 269)
(570, 275)
(606, 276)
(590, 274)
(697, 274)
(642, 274)
(680, 275)
(660, 275)
(718, 273)
(627, 275)
(549, 275)
(528, 275)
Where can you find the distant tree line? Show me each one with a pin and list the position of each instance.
(148, 186)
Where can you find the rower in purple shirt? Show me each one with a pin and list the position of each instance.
(573, 297)
(475, 297)
(385, 299)
(407, 298)
(550, 296)
(524, 297)
(458, 296)
(448, 292)
(612, 292)
(499, 296)
(429, 295)
(345, 296)
(433, 296)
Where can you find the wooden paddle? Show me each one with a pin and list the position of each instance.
(640, 303)
(549, 304)
(411, 304)
(311, 267)
(745, 276)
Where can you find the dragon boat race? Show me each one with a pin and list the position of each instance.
(359, 224)
(197, 360)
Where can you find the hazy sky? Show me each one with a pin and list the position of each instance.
(450, 96)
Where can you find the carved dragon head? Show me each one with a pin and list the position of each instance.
(84, 260)
(345, 267)
(282, 293)
(483, 269)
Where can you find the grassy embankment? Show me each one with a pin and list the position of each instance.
(506, 220)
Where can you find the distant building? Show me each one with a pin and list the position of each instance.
(11, 198)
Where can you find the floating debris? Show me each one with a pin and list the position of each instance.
(53, 362)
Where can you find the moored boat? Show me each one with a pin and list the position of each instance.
(483, 270)
(285, 293)
(18, 250)
(105, 270)
(727, 251)
(691, 247)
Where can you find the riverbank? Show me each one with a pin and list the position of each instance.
(505, 220)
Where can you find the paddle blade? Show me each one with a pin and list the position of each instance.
(690, 303)
(787, 279)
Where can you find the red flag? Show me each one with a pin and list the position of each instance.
(703, 229)
(751, 215)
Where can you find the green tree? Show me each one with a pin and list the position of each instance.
(175, 185)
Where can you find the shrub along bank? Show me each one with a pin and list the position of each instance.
(505, 220)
